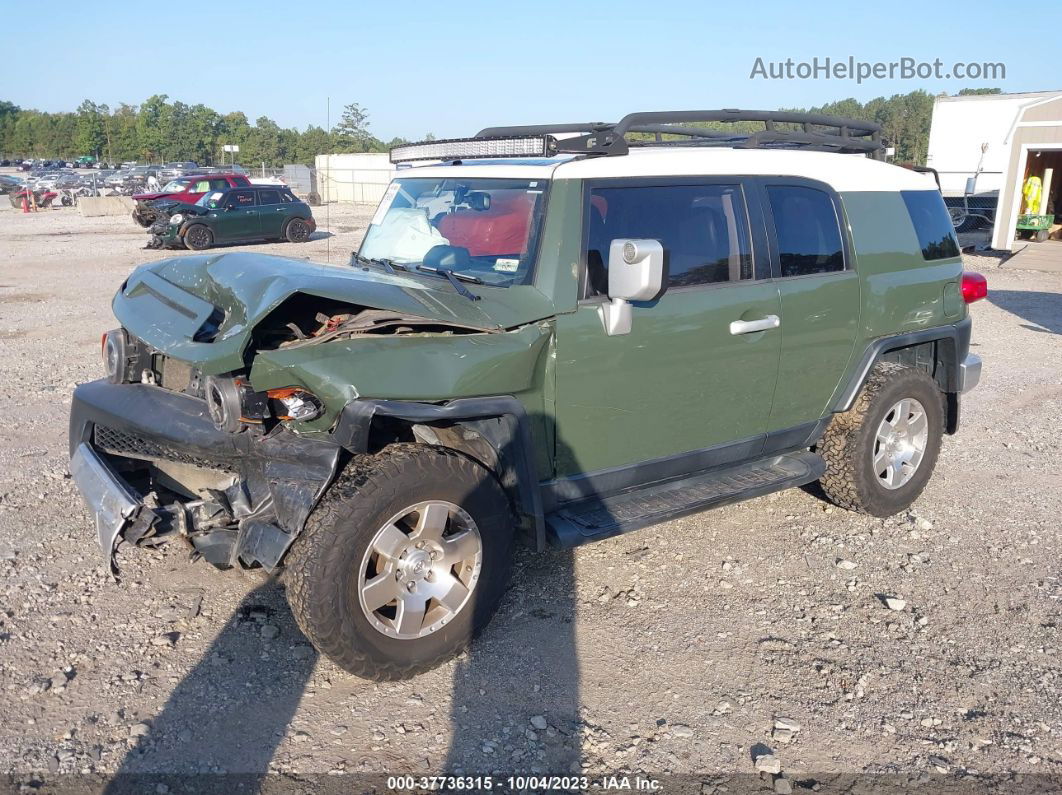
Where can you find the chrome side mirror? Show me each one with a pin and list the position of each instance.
(635, 273)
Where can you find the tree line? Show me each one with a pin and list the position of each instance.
(159, 130)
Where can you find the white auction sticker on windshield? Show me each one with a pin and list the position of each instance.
(385, 203)
(506, 265)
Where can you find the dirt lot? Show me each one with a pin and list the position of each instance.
(671, 651)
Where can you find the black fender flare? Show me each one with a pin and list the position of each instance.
(950, 354)
(501, 420)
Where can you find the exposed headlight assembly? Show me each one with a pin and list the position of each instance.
(121, 355)
(176, 219)
(298, 404)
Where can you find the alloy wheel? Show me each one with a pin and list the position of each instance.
(420, 570)
(900, 443)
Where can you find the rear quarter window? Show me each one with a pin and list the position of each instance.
(932, 224)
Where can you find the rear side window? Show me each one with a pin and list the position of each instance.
(809, 236)
(269, 197)
(702, 228)
(932, 224)
(219, 184)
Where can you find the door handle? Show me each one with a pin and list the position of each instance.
(749, 326)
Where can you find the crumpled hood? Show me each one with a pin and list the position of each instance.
(203, 308)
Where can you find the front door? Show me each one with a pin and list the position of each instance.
(692, 374)
(239, 220)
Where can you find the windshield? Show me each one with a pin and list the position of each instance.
(175, 185)
(211, 200)
(483, 228)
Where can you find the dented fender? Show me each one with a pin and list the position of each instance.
(413, 367)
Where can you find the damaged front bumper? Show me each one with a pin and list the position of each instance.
(152, 467)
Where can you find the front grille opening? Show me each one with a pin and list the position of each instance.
(131, 445)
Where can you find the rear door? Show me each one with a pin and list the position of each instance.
(814, 270)
(272, 213)
(239, 220)
(691, 381)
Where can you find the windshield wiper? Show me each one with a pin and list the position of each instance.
(455, 279)
(386, 263)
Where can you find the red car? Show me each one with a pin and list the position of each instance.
(183, 189)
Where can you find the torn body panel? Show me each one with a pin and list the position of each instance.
(434, 367)
(275, 479)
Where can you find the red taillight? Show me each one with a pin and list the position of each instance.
(974, 287)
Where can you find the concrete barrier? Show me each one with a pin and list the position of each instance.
(105, 205)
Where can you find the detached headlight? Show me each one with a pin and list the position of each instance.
(176, 219)
(298, 404)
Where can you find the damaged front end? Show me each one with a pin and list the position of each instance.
(221, 421)
(153, 468)
(163, 222)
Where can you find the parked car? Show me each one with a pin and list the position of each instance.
(178, 169)
(234, 215)
(551, 349)
(9, 183)
(186, 190)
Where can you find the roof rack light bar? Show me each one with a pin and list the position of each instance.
(840, 134)
(520, 145)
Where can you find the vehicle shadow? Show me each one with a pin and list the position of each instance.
(223, 722)
(1042, 310)
(516, 702)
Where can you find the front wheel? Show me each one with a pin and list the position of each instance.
(881, 452)
(198, 237)
(403, 562)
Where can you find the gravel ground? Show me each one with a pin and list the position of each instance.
(679, 650)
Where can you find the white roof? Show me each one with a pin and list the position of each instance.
(841, 172)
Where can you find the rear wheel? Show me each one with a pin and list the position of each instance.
(403, 562)
(297, 231)
(881, 452)
(198, 237)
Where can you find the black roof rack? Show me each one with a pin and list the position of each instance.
(816, 132)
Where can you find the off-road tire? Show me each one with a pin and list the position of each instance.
(297, 231)
(192, 241)
(323, 564)
(847, 445)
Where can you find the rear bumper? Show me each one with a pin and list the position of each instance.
(969, 374)
(120, 436)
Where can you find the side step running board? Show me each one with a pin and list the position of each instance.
(595, 518)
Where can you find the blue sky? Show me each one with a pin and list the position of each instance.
(453, 66)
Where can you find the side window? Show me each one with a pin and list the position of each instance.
(702, 228)
(932, 224)
(241, 198)
(286, 197)
(268, 197)
(809, 237)
(202, 186)
(219, 184)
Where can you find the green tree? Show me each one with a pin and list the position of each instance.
(970, 92)
(91, 134)
(352, 133)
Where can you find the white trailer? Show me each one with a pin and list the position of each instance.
(970, 143)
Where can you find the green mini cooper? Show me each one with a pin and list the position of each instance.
(237, 215)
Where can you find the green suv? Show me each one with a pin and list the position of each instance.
(552, 334)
